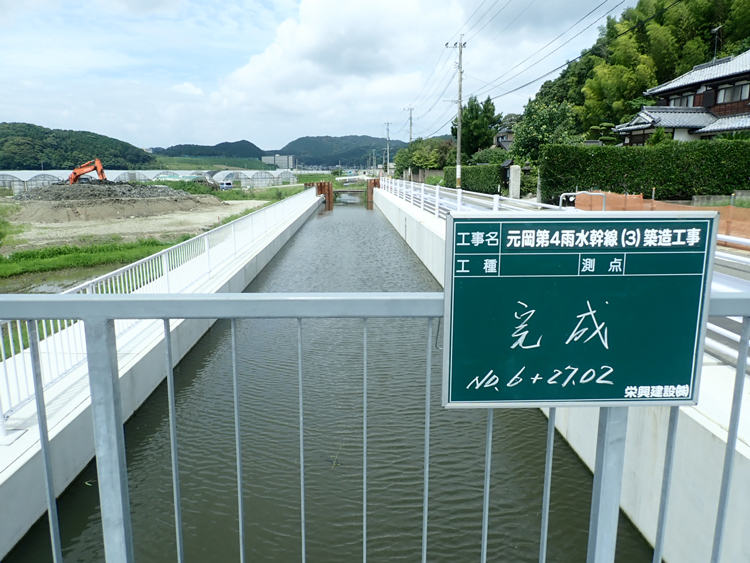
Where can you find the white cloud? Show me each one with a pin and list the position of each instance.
(187, 88)
(205, 71)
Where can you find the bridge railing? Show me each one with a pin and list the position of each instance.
(440, 200)
(179, 269)
(98, 316)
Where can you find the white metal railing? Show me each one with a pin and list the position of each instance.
(440, 201)
(99, 315)
(178, 269)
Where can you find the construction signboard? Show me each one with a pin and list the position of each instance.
(563, 309)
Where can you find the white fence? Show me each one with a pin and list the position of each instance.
(179, 269)
(440, 201)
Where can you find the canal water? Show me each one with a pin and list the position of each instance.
(349, 249)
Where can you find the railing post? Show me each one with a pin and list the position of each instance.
(109, 440)
(165, 269)
(437, 201)
(495, 202)
(459, 198)
(412, 192)
(421, 197)
(605, 498)
(208, 255)
(41, 414)
(734, 426)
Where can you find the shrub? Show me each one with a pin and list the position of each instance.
(484, 179)
(678, 170)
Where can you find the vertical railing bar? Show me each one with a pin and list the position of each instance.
(301, 440)
(364, 450)
(5, 366)
(238, 441)
(41, 415)
(666, 483)
(21, 358)
(109, 440)
(486, 500)
(173, 442)
(547, 483)
(734, 424)
(425, 493)
(70, 346)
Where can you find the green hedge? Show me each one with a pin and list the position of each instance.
(484, 179)
(678, 170)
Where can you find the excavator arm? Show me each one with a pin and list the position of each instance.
(91, 165)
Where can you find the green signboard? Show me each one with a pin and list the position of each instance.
(561, 309)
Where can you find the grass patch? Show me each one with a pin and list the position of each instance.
(208, 163)
(6, 191)
(274, 193)
(307, 178)
(745, 203)
(6, 227)
(60, 257)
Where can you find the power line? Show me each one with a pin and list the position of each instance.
(443, 52)
(481, 90)
(589, 51)
(480, 19)
(489, 20)
(440, 96)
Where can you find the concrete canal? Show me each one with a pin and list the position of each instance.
(347, 250)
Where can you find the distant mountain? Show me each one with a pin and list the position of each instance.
(24, 146)
(237, 149)
(350, 150)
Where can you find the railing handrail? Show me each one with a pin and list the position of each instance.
(265, 305)
(223, 305)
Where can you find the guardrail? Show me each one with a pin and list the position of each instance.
(440, 201)
(100, 313)
(178, 269)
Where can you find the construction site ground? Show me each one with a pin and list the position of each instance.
(121, 217)
(115, 217)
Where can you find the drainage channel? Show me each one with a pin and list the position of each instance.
(349, 249)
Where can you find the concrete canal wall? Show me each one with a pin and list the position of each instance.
(701, 436)
(141, 359)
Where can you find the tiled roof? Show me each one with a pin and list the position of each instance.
(729, 123)
(707, 72)
(670, 117)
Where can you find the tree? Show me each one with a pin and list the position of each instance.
(430, 154)
(478, 125)
(542, 124)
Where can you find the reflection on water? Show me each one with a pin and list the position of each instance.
(349, 249)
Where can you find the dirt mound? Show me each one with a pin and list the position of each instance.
(38, 211)
(99, 191)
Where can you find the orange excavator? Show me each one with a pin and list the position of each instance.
(91, 165)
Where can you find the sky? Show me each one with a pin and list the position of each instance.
(166, 72)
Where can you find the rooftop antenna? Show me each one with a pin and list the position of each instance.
(715, 32)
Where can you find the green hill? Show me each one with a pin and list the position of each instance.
(24, 146)
(350, 150)
(237, 149)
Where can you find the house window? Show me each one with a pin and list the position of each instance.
(685, 101)
(733, 94)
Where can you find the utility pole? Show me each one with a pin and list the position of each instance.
(410, 110)
(387, 163)
(460, 45)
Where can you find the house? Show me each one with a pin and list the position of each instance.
(503, 139)
(712, 98)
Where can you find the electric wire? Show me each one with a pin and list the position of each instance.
(414, 103)
(447, 84)
(482, 90)
(589, 51)
(489, 20)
